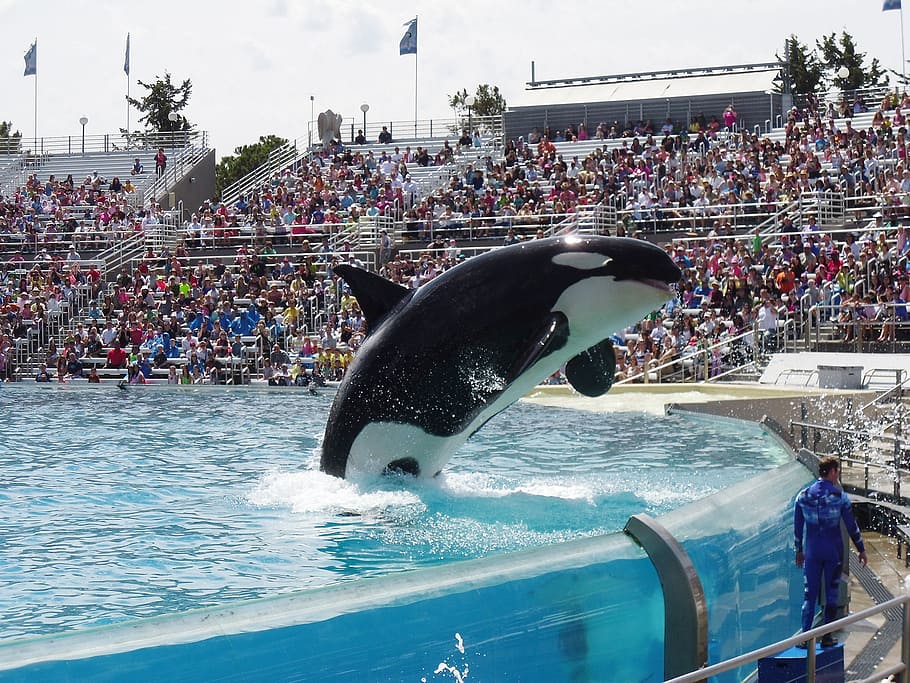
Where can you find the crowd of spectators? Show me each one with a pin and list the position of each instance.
(52, 214)
(252, 314)
(327, 195)
(701, 179)
(705, 174)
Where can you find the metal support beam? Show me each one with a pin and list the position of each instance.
(685, 606)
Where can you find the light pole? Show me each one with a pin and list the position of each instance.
(312, 119)
(469, 103)
(770, 94)
(364, 108)
(83, 120)
(843, 74)
(172, 117)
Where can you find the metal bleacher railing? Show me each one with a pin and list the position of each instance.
(430, 133)
(109, 155)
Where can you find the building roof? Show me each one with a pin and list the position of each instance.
(635, 89)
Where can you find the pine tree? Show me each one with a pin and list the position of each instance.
(162, 98)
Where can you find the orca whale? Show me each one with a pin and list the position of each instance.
(440, 361)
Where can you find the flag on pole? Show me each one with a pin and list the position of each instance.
(126, 60)
(891, 4)
(408, 44)
(31, 60)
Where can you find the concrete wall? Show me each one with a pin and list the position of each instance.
(194, 188)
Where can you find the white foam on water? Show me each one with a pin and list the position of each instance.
(482, 485)
(312, 491)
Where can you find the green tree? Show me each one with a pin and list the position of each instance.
(802, 67)
(488, 101)
(488, 105)
(10, 143)
(841, 52)
(245, 160)
(163, 97)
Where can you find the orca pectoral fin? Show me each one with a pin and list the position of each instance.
(591, 372)
(551, 335)
(376, 295)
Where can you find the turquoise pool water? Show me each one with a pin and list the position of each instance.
(127, 504)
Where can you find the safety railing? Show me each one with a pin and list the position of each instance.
(320, 260)
(74, 145)
(183, 161)
(41, 152)
(824, 323)
(445, 252)
(414, 131)
(766, 216)
(709, 362)
(894, 393)
(879, 451)
(279, 159)
(811, 637)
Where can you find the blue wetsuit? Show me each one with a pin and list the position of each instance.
(819, 509)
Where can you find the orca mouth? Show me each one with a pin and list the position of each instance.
(658, 284)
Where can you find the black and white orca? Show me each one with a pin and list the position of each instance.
(440, 361)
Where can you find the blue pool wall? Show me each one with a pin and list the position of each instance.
(741, 543)
(589, 609)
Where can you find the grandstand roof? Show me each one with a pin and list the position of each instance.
(670, 87)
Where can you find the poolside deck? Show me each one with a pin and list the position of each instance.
(874, 643)
(870, 644)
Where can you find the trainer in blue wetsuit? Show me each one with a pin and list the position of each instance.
(819, 510)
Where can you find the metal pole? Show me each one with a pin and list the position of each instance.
(905, 645)
(897, 461)
(804, 435)
(866, 470)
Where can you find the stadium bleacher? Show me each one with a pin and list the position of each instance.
(588, 185)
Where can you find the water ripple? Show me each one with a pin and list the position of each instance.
(125, 504)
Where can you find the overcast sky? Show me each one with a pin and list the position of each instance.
(254, 64)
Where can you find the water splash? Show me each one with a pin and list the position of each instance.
(481, 377)
(865, 437)
(444, 667)
(312, 491)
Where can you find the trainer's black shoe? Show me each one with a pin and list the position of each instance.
(828, 640)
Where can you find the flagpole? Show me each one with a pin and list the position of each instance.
(126, 68)
(408, 45)
(36, 97)
(903, 57)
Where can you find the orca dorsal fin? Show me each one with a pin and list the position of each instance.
(591, 372)
(376, 295)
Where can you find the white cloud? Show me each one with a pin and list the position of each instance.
(254, 65)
